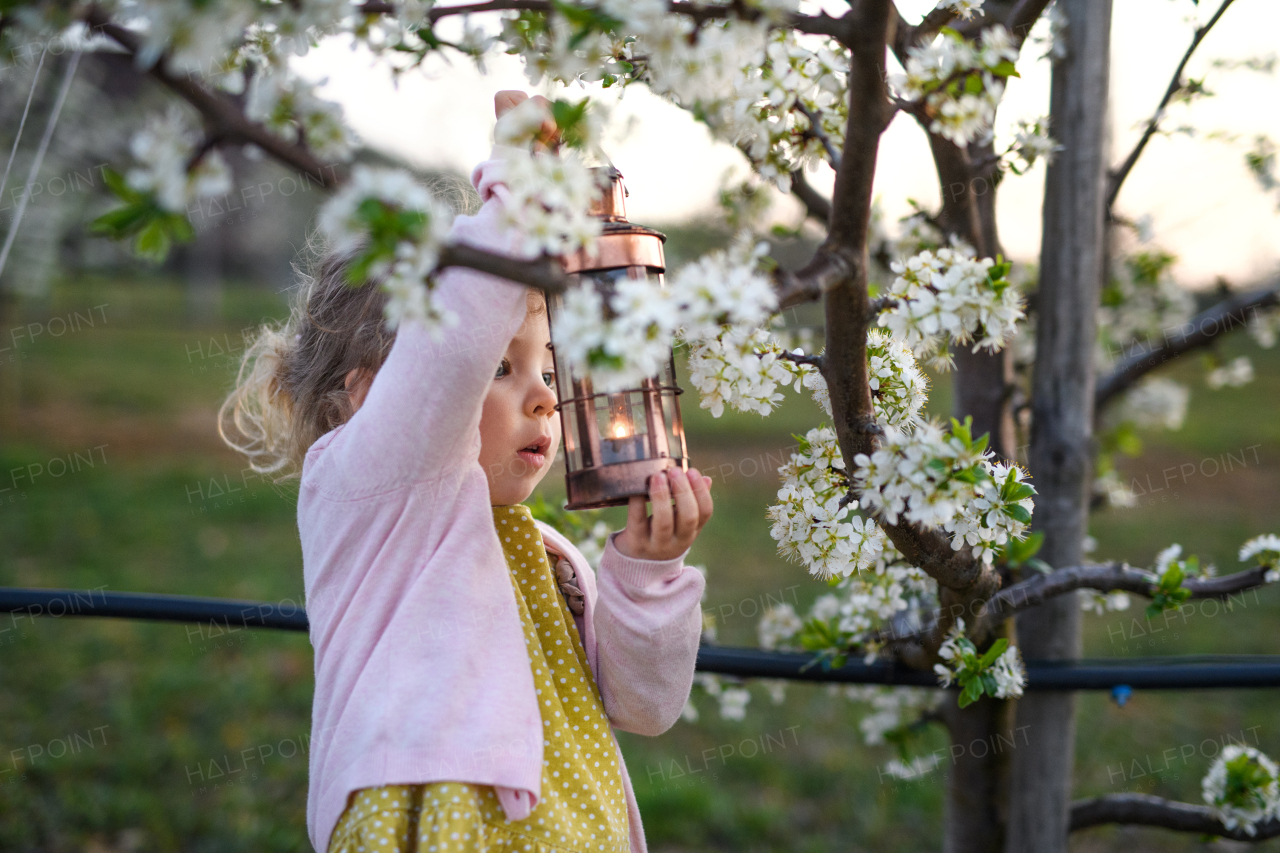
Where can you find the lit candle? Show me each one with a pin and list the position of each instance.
(621, 444)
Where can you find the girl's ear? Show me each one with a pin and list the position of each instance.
(356, 384)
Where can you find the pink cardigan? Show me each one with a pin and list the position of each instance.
(421, 669)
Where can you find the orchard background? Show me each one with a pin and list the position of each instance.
(128, 736)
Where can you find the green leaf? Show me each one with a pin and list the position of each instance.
(1019, 492)
(1018, 512)
(1005, 69)
(153, 241)
(997, 649)
(121, 221)
(571, 119)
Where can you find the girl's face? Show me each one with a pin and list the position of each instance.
(519, 425)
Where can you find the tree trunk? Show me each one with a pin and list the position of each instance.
(1062, 414)
(981, 739)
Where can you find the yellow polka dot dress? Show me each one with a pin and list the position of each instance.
(582, 807)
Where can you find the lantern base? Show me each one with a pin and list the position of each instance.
(616, 484)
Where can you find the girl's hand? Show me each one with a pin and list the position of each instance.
(670, 530)
(548, 135)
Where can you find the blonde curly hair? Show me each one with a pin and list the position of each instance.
(291, 385)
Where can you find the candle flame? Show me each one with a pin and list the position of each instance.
(620, 430)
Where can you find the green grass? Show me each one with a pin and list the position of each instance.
(152, 712)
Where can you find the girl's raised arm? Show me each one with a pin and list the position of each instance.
(419, 424)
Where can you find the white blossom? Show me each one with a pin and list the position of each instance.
(1141, 302)
(1256, 803)
(776, 688)
(921, 765)
(949, 651)
(913, 476)
(948, 295)
(1008, 671)
(890, 594)
(809, 524)
(1102, 603)
(724, 288)
(723, 295)
(416, 251)
(1114, 489)
(1009, 674)
(1156, 402)
(778, 626)
(965, 8)
(1267, 549)
(733, 703)
(932, 69)
(164, 147)
(899, 389)
(288, 106)
(1237, 372)
(1264, 328)
(891, 708)
(549, 200)
(1032, 142)
(1167, 557)
(985, 522)
(196, 37)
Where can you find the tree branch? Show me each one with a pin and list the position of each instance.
(1111, 577)
(847, 306)
(812, 361)
(815, 131)
(1146, 810)
(907, 36)
(1023, 17)
(1200, 331)
(545, 272)
(224, 118)
(1116, 179)
(825, 271)
(816, 205)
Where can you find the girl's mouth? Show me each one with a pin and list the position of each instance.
(535, 454)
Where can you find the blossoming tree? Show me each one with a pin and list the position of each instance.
(941, 554)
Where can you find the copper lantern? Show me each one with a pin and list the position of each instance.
(613, 442)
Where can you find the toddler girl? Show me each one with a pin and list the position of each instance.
(469, 665)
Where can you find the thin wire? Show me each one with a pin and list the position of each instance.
(23, 123)
(35, 164)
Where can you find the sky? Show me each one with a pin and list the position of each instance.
(1204, 205)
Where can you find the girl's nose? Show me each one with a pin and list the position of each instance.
(542, 400)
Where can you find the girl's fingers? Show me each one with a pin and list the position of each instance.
(686, 507)
(506, 99)
(702, 494)
(637, 518)
(660, 524)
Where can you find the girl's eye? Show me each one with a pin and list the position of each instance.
(549, 377)
(505, 366)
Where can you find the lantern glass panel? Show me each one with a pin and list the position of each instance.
(636, 423)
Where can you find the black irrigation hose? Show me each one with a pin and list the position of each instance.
(1160, 673)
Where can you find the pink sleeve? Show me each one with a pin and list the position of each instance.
(648, 622)
(421, 418)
